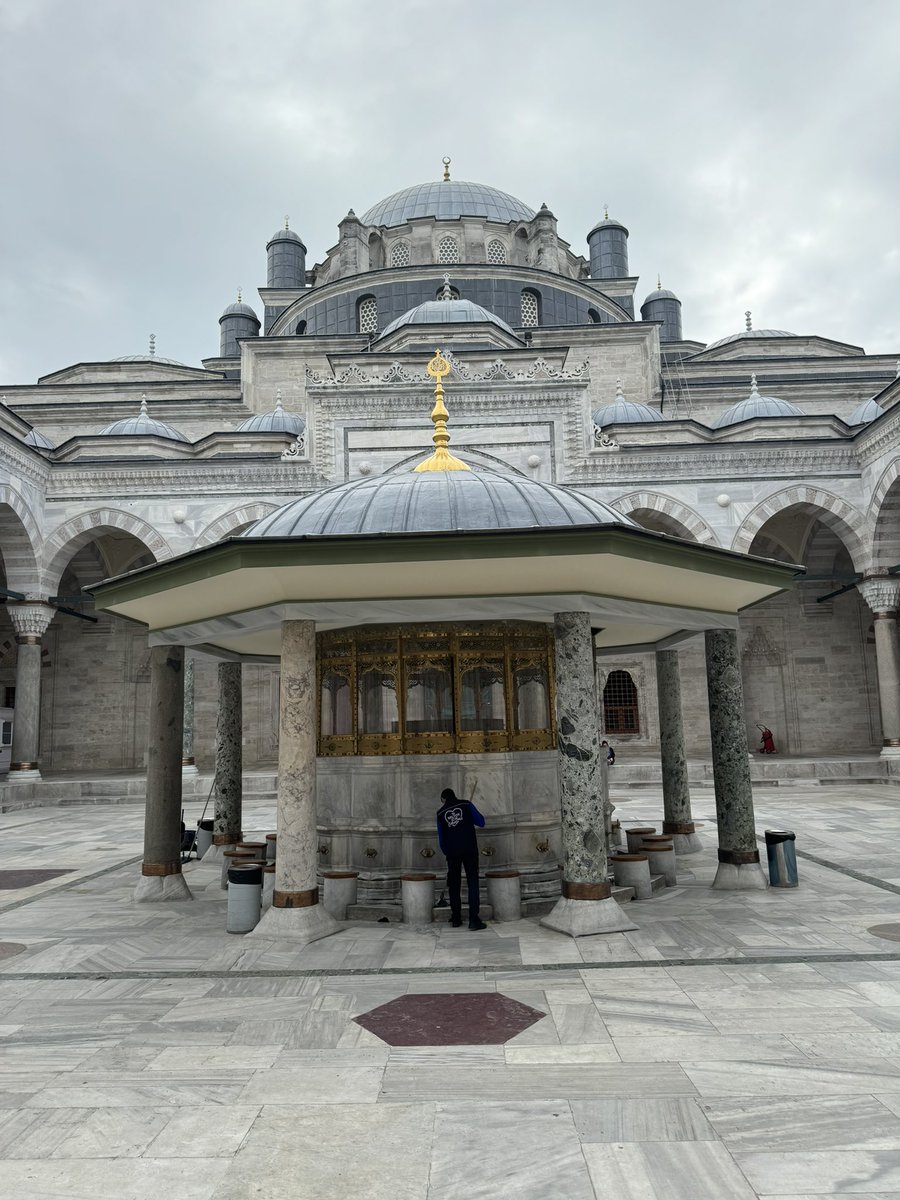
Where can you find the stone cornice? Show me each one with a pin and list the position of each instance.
(871, 444)
(272, 477)
(776, 462)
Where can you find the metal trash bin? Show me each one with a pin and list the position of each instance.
(244, 898)
(782, 857)
(204, 835)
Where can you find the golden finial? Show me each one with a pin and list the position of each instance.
(442, 459)
(446, 162)
(605, 212)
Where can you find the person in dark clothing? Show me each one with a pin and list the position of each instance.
(456, 822)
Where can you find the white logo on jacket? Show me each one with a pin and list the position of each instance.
(453, 817)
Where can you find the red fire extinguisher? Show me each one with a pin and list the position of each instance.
(767, 740)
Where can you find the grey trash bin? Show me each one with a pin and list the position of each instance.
(204, 835)
(244, 898)
(782, 857)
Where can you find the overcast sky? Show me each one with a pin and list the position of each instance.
(149, 151)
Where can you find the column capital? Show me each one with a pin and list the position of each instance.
(30, 619)
(881, 593)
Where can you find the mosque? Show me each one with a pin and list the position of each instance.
(569, 404)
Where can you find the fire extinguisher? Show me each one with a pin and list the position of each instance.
(767, 740)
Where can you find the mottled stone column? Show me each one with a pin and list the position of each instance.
(188, 766)
(677, 819)
(586, 905)
(739, 867)
(161, 877)
(882, 595)
(296, 912)
(228, 786)
(30, 623)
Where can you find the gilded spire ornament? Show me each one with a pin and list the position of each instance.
(446, 162)
(442, 459)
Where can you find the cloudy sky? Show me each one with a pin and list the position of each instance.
(150, 150)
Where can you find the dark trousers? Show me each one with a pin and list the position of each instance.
(455, 865)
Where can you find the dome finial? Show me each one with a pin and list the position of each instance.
(446, 290)
(658, 281)
(754, 389)
(748, 315)
(144, 411)
(605, 212)
(153, 345)
(278, 403)
(239, 294)
(446, 162)
(442, 459)
(620, 394)
(286, 222)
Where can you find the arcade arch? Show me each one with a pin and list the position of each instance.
(235, 521)
(662, 514)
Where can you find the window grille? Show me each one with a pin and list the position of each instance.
(400, 254)
(496, 252)
(448, 250)
(530, 311)
(620, 704)
(367, 315)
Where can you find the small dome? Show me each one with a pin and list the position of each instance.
(624, 412)
(661, 294)
(435, 502)
(148, 358)
(275, 421)
(608, 223)
(38, 440)
(865, 412)
(239, 310)
(446, 312)
(285, 235)
(757, 406)
(143, 425)
(447, 200)
(751, 333)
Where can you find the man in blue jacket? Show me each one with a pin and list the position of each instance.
(456, 821)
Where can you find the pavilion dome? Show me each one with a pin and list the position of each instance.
(435, 502)
(624, 412)
(143, 425)
(865, 412)
(757, 405)
(277, 420)
(446, 312)
(447, 200)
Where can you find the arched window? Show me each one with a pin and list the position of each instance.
(301, 328)
(439, 294)
(400, 254)
(593, 316)
(367, 314)
(531, 309)
(448, 250)
(496, 251)
(620, 704)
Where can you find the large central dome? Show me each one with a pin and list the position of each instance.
(446, 200)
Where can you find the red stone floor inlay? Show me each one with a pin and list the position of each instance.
(449, 1019)
(24, 879)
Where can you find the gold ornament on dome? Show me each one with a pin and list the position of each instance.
(441, 459)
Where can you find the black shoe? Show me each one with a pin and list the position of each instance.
(477, 924)
(456, 922)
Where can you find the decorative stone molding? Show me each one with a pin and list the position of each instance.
(496, 371)
(30, 621)
(760, 649)
(296, 450)
(881, 593)
(603, 441)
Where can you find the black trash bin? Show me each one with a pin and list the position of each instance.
(782, 857)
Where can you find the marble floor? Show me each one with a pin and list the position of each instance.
(732, 1046)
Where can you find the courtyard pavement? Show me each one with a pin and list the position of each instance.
(733, 1046)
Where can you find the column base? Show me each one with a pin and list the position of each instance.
(188, 769)
(302, 925)
(24, 775)
(686, 843)
(153, 888)
(216, 852)
(581, 918)
(740, 877)
(888, 750)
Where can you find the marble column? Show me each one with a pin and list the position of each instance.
(882, 594)
(188, 766)
(228, 785)
(677, 819)
(161, 877)
(296, 912)
(739, 868)
(30, 623)
(586, 905)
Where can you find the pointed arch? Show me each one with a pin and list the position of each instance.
(692, 525)
(842, 518)
(20, 541)
(237, 518)
(884, 518)
(68, 538)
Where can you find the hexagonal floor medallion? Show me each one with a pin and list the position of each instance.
(449, 1019)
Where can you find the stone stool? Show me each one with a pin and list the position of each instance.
(233, 857)
(258, 848)
(417, 897)
(504, 891)
(652, 840)
(340, 892)
(662, 862)
(632, 870)
(268, 886)
(636, 836)
(270, 846)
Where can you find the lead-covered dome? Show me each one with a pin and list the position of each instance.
(446, 200)
(143, 425)
(435, 502)
(757, 406)
(277, 420)
(446, 312)
(624, 412)
(865, 412)
(38, 440)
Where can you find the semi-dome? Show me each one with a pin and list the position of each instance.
(143, 425)
(38, 440)
(624, 412)
(446, 312)
(757, 405)
(435, 502)
(446, 200)
(865, 412)
(274, 421)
